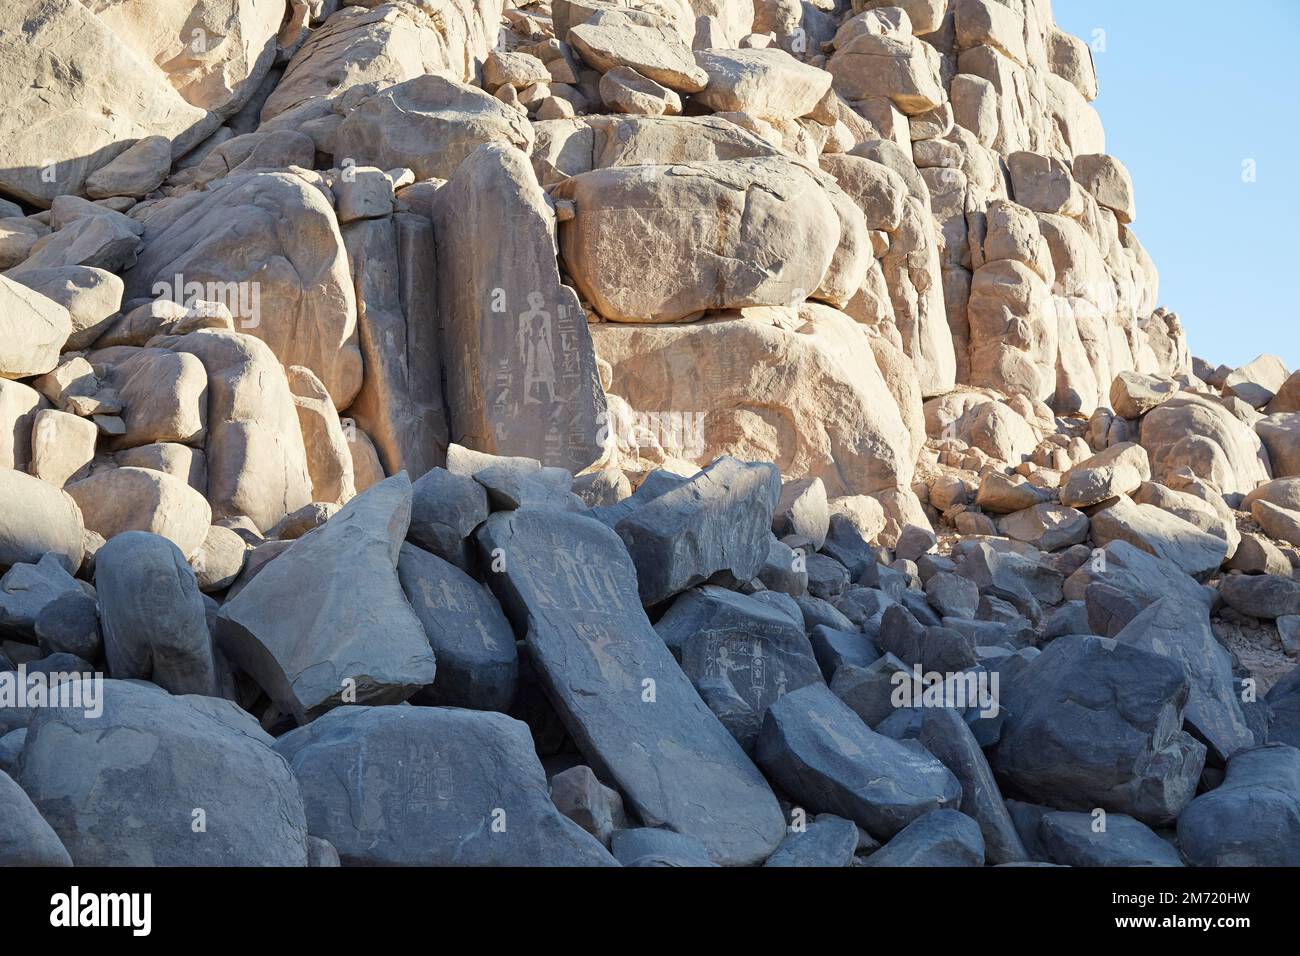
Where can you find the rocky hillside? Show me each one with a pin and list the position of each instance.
(643, 432)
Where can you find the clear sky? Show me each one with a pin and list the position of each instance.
(1191, 90)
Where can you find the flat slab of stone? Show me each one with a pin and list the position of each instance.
(431, 786)
(622, 696)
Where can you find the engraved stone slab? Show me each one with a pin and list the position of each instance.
(613, 681)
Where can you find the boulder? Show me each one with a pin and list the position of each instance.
(526, 385)
(1252, 818)
(1093, 722)
(581, 797)
(428, 125)
(33, 329)
(348, 634)
(639, 39)
(152, 615)
(1110, 184)
(1281, 437)
(624, 90)
(939, 838)
(1267, 596)
(568, 581)
(136, 171)
(646, 223)
(445, 510)
(1072, 839)
(1162, 534)
(900, 67)
(25, 838)
(1133, 394)
(769, 84)
(1048, 527)
(116, 500)
(37, 519)
(142, 805)
(820, 753)
(431, 786)
(717, 521)
(1193, 431)
(478, 666)
(828, 841)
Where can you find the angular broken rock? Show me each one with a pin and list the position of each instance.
(820, 753)
(586, 801)
(327, 622)
(1072, 839)
(940, 838)
(1181, 632)
(521, 373)
(152, 614)
(478, 666)
(445, 510)
(717, 521)
(431, 786)
(828, 841)
(119, 804)
(1252, 818)
(1158, 532)
(627, 704)
(1047, 526)
(1091, 722)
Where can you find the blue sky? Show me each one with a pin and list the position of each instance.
(1189, 92)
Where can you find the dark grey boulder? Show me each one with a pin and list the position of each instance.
(1265, 596)
(1136, 573)
(783, 570)
(865, 607)
(154, 781)
(622, 696)
(1181, 632)
(1253, 818)
(656, 483)
(821, 754)
(478, 666)
(940, 838)
(445, 510)
(914, 541)
(827, 841)
(951, 595)
(1070, 618)
(70, 624)
(1092, 722)
(883, 578)
(25, 838)
(509, 489)
(827, 578)
(26, 590)
(871, 690)
(944, 733)
(1023, 583)
(431, 786)
(781, 603)
(845, 543)
(1071, 839)
(647, 846)
(834, 649)
(717, 521)
(1012, 637)
(326, 622)
(816, 611)
(152, 615)
(1027, 817)
(742, 659)
(11, 747)
(1284, 709)
(933, 648)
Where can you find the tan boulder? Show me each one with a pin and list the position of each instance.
(114, 500)
(428, 125)
(1280, 523)
(36, 519)
(1191, 431)
(1282, 492)
(1044, 184)
(367, 470)
(1281, 437)
(640, 249)
(32, 331)
(257, 466)
(624, 90)
(769, 84)
(328, 459)
(1258, 381)
(1133, 394)
(63, 446)
(275, 260)
(646, 42)
(1109, 182)
(164, 396)
(900, 67)
(136, 172)
(76, 95)
(810, 400)
(19, 406)
(1013, 330)
(998, 431)
(1287, 398)
(182, 462)
(91, 296)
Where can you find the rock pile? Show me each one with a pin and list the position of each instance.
(701, 432)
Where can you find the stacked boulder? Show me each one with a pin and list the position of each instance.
(700, 432)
